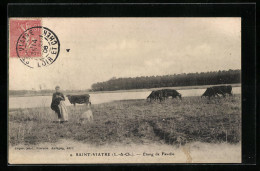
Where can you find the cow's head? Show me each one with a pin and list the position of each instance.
(149, 97)
(179, 96)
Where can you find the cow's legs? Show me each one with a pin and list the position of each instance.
(216, 95)
(74, 104)
(222, 93)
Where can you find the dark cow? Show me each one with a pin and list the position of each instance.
(80, 99)
(171, 93)
(216, 90)
(163, 94)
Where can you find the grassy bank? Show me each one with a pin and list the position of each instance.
(134, 121)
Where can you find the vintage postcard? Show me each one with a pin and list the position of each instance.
(124, 90)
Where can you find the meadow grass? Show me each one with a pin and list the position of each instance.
(134, 121)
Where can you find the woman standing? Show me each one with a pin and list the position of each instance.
(59, 106)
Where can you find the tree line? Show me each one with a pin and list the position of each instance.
(176, 80)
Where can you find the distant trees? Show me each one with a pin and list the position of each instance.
(190, 79)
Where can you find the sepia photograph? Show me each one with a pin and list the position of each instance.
(102, 90)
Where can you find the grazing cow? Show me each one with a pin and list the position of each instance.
(216, 90)
(163, 94)
(80, 99)
(171, 92)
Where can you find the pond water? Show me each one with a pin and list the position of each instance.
(98, 98)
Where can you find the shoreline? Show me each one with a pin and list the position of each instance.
(133, 90)
(113, 101)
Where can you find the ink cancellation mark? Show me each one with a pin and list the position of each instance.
(38, 47)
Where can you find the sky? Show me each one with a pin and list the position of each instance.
(102, 48)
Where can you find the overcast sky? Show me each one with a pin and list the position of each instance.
(102, 48)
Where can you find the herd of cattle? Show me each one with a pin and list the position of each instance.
(160, 95)
(214, 91)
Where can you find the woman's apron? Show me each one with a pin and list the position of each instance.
(63, 111)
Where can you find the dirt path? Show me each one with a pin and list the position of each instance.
(67, 151)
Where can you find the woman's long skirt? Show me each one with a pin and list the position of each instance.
(63, 111)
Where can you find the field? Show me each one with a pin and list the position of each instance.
(134, 121)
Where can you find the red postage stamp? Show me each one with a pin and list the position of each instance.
(35, 45)
(28, 39)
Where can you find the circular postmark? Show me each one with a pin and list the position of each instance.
(38, 47)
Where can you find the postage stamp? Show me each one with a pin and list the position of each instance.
(35, 45)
